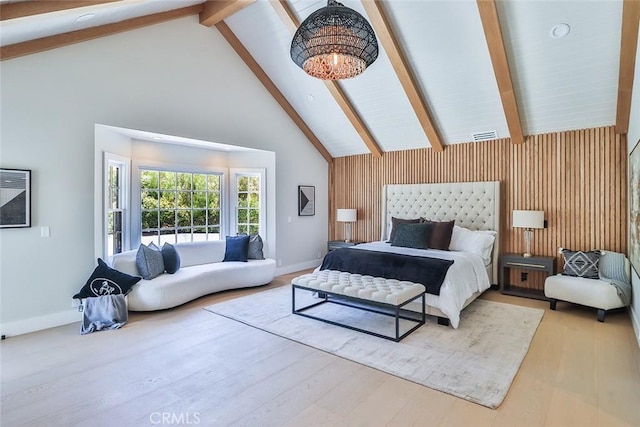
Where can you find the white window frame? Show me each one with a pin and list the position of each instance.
(124, 163)
(136, 209)
(235, 173)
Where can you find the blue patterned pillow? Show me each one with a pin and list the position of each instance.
(581, 264)
(106, 281)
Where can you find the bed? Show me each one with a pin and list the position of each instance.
(475, 208)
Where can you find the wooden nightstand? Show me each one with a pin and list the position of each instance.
(546, 264)
(332, 245)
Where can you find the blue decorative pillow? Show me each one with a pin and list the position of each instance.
(106, 281)
(411, 235)
(149, 261)
(171, 258)
(237, 248)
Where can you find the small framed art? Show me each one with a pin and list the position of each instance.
(306, 200)
(15, 198)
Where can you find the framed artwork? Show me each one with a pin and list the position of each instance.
(15, 198)
(306, 200)
(634, 207)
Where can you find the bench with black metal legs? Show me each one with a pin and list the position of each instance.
(373, 294)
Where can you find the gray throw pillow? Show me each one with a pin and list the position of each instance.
(581, 264)
(411, 235)
(255, 247)
(149, 261)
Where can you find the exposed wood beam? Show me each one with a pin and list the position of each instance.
(628, 46)
(37, 7)
(52, 42)
(380, 23)
(219, 10)
(292, 22)
(242, 51)
(495, 42)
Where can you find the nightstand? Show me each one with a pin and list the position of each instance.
(545, 264)
(332, 245)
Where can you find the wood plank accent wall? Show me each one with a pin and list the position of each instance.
(579, 178)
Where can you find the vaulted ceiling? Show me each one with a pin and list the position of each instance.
(448, 71)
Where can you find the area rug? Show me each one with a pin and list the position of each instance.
(477, 362)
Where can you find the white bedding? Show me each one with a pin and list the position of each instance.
(466, 276)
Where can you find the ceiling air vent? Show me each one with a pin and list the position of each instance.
(485, 136)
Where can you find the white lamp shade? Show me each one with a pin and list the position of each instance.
(528, 219)
(347, 215)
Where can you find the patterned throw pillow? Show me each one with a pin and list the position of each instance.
(410, 235)
(581, 264)
(106, 281)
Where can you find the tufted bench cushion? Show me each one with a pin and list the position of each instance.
(388, 291)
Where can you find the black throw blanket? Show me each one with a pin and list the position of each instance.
(429, 272)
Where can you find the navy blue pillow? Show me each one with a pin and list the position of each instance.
(107, 281)
(237, 248)
(171, 258)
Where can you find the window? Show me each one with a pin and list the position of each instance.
(250, 202)
(116, 201)
(179, 206)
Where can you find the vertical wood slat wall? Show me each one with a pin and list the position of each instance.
(578, 178)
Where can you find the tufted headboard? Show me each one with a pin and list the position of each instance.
(473, 205)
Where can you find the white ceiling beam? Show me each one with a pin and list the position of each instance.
(253, 65)
(382, 26)
(218, 10)
(288, 16)
(498, 54)
(628, 47)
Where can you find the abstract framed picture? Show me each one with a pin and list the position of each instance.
(15, 198)
(306, 200)
(634, 207)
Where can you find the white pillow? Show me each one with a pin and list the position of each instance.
(478, 242)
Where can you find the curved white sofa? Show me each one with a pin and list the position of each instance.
(201, 272)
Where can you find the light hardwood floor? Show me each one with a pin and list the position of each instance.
(194, 368)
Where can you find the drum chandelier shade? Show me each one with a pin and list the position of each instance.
(334, 42)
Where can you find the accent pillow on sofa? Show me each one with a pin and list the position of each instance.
(236, 249)
(397, 221)
(581, 264)
(411, 235)
(255, 247)
(106, 281)
(440, 234)
(170, 258)
(149, 261)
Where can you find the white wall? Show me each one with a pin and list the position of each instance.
(633, 135)
(176, 78)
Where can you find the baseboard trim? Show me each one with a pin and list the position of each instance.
(635, 321)
(297, 267)
(39, 323)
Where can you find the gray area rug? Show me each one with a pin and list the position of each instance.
(477, 362)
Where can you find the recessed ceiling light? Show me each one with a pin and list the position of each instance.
(85, 17)
(559, 31)
(157, 137)
(309, 98)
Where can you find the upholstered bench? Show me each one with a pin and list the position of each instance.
(375, 294)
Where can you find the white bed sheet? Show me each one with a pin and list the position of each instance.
(466, 276)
